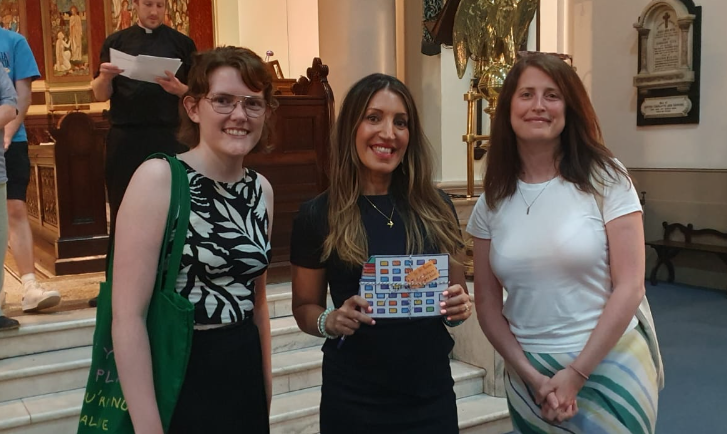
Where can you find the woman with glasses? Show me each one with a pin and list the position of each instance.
(386, 375)
(228, 383)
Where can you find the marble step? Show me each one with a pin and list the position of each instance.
(70, 329)
(483, 414)
(55, 413)
(297, 413)
(291, 413)
(286, 336)
(280, 299)
(43, 373)
(48, 332)
(294, 367)
(301, 369)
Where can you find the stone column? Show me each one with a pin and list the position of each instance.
(356, 38)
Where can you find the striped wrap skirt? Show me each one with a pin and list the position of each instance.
(621, 395)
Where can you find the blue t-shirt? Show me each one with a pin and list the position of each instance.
(19, 63)
(7, 96)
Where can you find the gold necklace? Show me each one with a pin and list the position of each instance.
(389, 218)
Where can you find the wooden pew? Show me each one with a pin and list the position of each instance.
(667, 248)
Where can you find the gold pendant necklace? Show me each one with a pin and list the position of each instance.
(389, 218)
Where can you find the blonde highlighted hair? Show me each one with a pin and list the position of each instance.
(428, 219)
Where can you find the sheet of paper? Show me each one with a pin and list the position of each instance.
(384, 286)
(143, 67)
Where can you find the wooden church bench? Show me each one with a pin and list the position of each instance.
(666, 248)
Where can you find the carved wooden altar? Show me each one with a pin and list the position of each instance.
(66, 198)
(296, 166)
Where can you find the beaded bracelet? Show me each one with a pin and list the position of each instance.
(452, 323)
(322, 324)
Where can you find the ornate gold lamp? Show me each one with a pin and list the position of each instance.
(489, 32)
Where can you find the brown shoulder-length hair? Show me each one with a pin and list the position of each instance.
(428, 219)
(253, 73)
(582, 157)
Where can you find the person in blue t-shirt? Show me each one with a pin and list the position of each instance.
(8, 112)
(20, 65)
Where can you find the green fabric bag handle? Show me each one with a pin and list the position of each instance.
(170, 323)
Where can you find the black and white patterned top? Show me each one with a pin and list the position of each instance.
(227, 247)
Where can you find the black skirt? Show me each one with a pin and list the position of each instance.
(359, 407)
(224, 389)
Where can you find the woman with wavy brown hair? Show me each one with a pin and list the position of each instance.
(223, 268)
(392, 375)
(559, 227)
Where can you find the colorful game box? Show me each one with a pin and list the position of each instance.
(405, 286)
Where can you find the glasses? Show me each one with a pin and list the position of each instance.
(224, 104)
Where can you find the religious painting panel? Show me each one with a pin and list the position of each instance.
(66, 38)
(12, 16)
(120, 15)
(194, 19)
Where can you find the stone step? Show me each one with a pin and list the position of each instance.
(280, 299)
(301, 369)
(286, 336)
(294, 411)
(291, 413)
(483, 414)
(297, 413)
(294, 367)
(71, 329)
(55, 413)
(48, 332)
(44, 373)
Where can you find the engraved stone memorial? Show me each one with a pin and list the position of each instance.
(669, 58)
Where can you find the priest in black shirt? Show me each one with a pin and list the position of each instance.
(144, 116)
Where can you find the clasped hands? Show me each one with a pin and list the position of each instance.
(353, 312)
(557, 395)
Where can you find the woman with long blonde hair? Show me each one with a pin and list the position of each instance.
(392, 375)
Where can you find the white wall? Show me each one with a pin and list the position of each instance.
(227, 27)
(302, 35)
(605, 50)
(357, 38)
(287, 27)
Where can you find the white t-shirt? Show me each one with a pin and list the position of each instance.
(554, 261)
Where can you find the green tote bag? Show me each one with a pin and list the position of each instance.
(170, 322)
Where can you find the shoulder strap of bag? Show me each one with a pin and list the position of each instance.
(179, 209)
(643, 313)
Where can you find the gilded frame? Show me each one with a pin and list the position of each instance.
(177, 15)
(67, 40)
(13, 16)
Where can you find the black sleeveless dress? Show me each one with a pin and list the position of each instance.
(393, 377)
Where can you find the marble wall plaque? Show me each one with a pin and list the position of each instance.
(666, 107)
(666, 45)
(669, 35)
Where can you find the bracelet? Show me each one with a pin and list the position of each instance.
(585, 377)
(322, 324)
(452, 323)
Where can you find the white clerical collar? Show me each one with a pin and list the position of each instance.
(145, 29)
